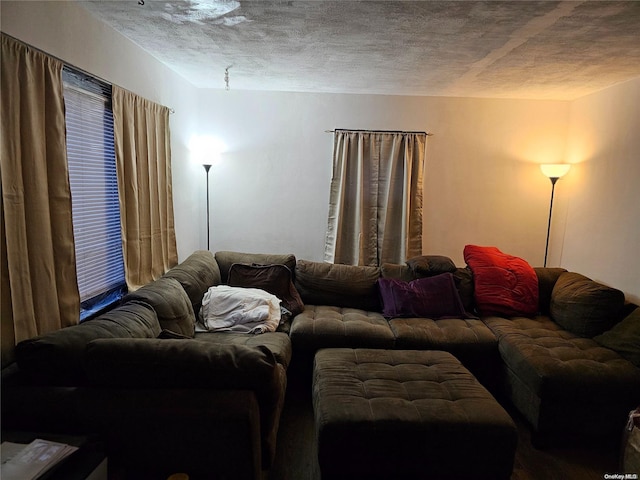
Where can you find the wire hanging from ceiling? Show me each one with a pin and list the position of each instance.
(226, 77)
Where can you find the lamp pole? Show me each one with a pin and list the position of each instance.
(207, 167)
(554, 172)
(553, 187)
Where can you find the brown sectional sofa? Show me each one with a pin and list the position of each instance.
(566, 385)
(166, 398)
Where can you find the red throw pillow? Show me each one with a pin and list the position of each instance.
(504, 284)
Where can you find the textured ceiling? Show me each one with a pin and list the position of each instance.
(514, 49)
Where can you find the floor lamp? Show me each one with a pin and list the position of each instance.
(207, 167)
(554, 172)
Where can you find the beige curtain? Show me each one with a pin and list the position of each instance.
(39, 287)
(143, 164)
(375, 206)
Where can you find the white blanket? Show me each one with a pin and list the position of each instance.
(238, 309)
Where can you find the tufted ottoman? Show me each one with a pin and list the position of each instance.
(407, 414)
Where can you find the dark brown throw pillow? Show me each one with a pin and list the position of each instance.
(430, 265)
(585, 307)
(275, 279)
(226, 259)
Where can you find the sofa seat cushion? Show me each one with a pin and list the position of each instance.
(539, 325)
(329, 327)
(278, 343)
(556, 364)
(447, 334)
(468, 339)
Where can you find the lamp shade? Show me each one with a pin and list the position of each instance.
(205, 149)
(555, 170)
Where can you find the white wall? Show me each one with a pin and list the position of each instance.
(602, 236)
(66, 31)
(483, 184)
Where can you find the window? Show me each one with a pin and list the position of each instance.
(94, 192)
(375, 201)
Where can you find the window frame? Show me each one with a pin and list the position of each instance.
(91, 154)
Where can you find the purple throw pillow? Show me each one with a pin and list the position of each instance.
(430, 297)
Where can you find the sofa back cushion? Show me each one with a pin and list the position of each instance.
(226, 258)
(547, 278)
(397, 271)
(347, 286)
(57, 358)
(585, 307)
(464, 283)
(196, 274)
(171, 303)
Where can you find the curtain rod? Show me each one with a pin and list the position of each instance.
(84, 72)
(428, 134)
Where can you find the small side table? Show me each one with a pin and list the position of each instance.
(89, 462)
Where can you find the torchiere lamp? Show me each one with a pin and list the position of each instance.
(207, 166)
(554, 172)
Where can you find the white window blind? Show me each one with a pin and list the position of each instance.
(94, 191)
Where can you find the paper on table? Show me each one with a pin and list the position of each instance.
(28, 462)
